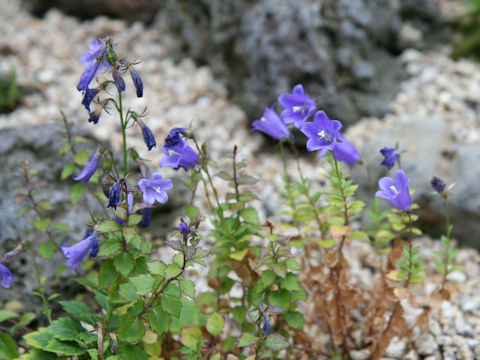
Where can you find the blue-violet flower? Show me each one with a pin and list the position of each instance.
(390, 157)
(118, 80)
(88, 97)
(147, 135)
(137, 81)
(6, 276)
(146, 216)
(298, 106)
(114, 195)
(271, 124)
(77, 252)
(439, 185)
(396, 191)
(184, 228)
(95, 59)
(345, 151)
(154, 189)
(89, 169)
(266, 328)
(322, 133)
(179, 153)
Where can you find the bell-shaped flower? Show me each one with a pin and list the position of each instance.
(439, 185)
(118, 80)
(298, 106)
(322, 133)
(114, 195)
(345, 151)
(395, 190)
(390, 157)
(6, 276)
(147, 135)
(146, 216)
(155, 189)
(95, 59)
(77, 252)
(271, 124)
(137, 81)
(89, 169)
(184, 228)
(88, 97)
(179, 153)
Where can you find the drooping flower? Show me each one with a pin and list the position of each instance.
(6, 276)
(137, 81)
(77, 252)
(298, 106)
(114, 195)
(266, 328)
(118, 80)
(88, 97)
(390, 157)
(395, 190)
(147, 135)
(345, 151)
(89, 169)
(184, 228)
(154, 189)
(322, 133)
(179, 153)
(146, 216)
(271, 124)
(95, 59)
(439, 185)
(95, 114)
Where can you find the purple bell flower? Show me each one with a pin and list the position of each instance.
(271, 124)
(395, 191)
(266, 328)
(89, 169)
(95, 59)
(6, 276)
(88, 97)
(77, 252)
(146, 216)
(345, 151)
(184, 228)
(114, 195)
(322, 133)
(118, 80)
(298, 106)
(147, 136)
(390, 157)
(439, 185)
(137, 81)
(179, 153)
(154, 189)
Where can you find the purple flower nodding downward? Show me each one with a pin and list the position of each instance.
(184, 228)
(322, 133)
(118, 80)
(439, 185)
(390, 157)
(179, 153)
(345, 151)
(137, 81)
(6, 276)
(298, 106)
(395, 190)
(95, 59)
(266, 328)
(114, 195)
(154, 189)
(95, 114)
(77, 252)
(88, 97)
(89, 169)
(147, 136)
(271, 124)
(146, 216)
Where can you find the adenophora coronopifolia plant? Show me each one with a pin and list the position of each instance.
(277, 288)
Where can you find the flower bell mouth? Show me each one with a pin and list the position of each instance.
(394, 189)
(299, 109)
(326, 136)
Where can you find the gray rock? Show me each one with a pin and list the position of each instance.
(430, 151)
(261, 49)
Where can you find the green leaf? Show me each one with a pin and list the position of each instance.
(110, 247)
(39, 338)
(107, 274)
(45, 205)
(124, 263)
(172, 304)
(276, 342)
(8, 348)
(80, 158)
(292, 264)
(143, 283)
(294, 319)
(247, 339)
(190, 336)
(64, 347)
(131, 329)
(249, 215)
(77, 193)
(23, 211)
(6, 314)
(327, 243)
(359, 235)
(42, 224)
(36, 354)
(66, 329)
(187, 287)
(134, 219)
(159, 320)
(280, 269)
(108, 226)
(172, 271)
(157, 268)
(67, 171)
(239, 254)
(267, 278)
(128, 292)
(290, 282)
(239, 314)
(215, 324)
(79, 310)
(47, 249)
(192, 211)
(61, 227)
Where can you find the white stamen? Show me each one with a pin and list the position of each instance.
(394, 189)
(322, 134)
(158, 190)
(263, 119)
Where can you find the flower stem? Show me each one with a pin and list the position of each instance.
(41, 290)
(123, 124)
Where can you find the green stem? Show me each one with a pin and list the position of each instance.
(123, 124)
(41, 291)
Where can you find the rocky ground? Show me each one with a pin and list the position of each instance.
(438, 92)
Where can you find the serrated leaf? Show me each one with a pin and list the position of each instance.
(67, 171)
(47, 249)
(192, 211)
(108, 274)
(327, 243)
(159, 320)
(131, 329)
(215, 324)
(239, 254)
(39, 338)
(80, 158)
(249, 215)
(247, 339)
(172, 304)
(190, 336)
(108, 226)
(143, 283)
(124, 263)
(187, 287)
(359, 235)
(110, 247)
(42, 224)
(128, 292)
(280, 269)
(172, 271)
(134, 219)
(294, 319)
(66, 329)
(79, 310)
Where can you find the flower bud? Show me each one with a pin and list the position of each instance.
(114, 195)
